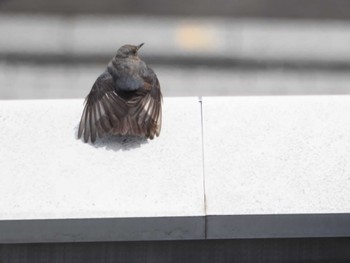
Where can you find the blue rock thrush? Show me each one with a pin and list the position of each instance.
(125, 99)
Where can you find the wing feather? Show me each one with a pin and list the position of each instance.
(87, 125)
(82, 122)
(92, 123)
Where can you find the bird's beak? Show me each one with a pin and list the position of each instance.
(139, 46)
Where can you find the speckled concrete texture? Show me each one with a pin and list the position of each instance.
(277, 155)
(274, 167)
(47, 173)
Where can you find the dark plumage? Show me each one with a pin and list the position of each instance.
(125, 99)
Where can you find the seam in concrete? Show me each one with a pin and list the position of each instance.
(203, 169)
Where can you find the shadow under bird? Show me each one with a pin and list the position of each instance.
(125, 99)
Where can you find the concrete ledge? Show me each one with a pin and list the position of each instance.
(274, 167)
(101, 229)
(278, 155)
(278, 226)
(48, 177)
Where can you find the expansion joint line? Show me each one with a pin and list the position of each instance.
(203, 168)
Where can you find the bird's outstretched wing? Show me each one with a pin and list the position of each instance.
(146, 106)
(103, 111)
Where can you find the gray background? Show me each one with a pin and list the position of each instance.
(51, 49)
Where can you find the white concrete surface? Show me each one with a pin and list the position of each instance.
(273, 167)
(277, 155)
(46, 173)
(277, 167)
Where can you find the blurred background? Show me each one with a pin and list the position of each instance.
(56, 49)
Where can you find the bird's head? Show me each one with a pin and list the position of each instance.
(128, 51)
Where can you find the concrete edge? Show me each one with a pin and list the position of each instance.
(278, 226)
(101, 229)
(175, 228)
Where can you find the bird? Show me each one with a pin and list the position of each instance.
(125, 99)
